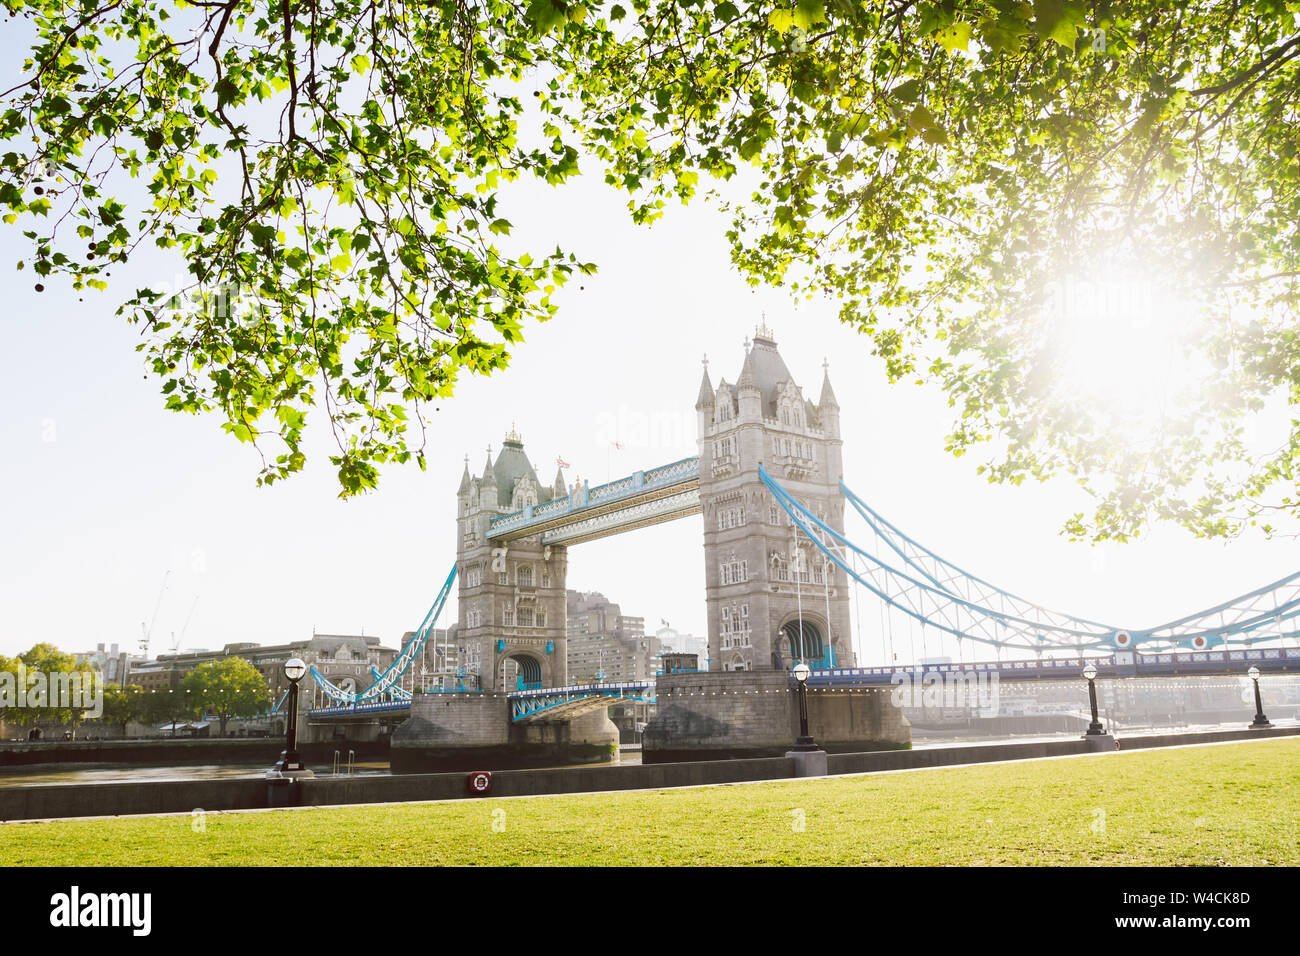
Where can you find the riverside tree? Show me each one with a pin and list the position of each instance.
(1079, 219)
(49, 674)
(230, 687)
(123, 705)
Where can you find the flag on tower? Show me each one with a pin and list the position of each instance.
(561, 462)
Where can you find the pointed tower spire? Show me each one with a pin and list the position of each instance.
(749, 394)
(827, 399)
(464, 479)
(488, 474)
(705, 399)
(560, 488)
(747, 379)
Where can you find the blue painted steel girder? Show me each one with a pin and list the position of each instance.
(566, 703)
(352, 711)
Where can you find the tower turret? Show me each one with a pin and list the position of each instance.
(465, 480)
(828, 409)
(748, 395)
(704, 400)
(487, 485)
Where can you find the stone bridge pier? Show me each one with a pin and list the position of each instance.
(718, 715)
(455, 731)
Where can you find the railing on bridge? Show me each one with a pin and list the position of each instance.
(1122, 664)
(361, 710)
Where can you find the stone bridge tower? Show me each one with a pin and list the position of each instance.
(512, 597)
(772, 598)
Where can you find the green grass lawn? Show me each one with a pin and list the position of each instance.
(1236, 804)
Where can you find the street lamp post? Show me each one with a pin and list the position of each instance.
(1090, 675)
(290, 762)
(804, 743)
(809, 759)
(1260, 720)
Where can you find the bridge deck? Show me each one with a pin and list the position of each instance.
(1119, 665)
(574, 700)
(527, 706)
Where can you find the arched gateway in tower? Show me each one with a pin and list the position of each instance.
(772, 601)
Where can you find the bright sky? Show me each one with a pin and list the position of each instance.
(104, 491)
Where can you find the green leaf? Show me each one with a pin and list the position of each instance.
(807, 13)
(955, 37)
(1058, 20)
(781, 20)
(546, 15)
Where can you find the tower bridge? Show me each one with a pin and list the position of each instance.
(779, 568)
(514, 532)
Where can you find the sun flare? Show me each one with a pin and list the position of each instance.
(1120, 344)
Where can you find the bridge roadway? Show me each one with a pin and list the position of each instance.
(1121, 665)
(526, 706)
(566, 703)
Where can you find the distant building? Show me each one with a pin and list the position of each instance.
(442, 657)
(673, 641)
(111, 662)
(679, 663)
(607, 645)
(604, 643)
(343, 659)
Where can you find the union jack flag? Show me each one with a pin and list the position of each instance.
(561, 462)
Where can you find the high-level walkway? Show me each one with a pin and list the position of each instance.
(641, 499)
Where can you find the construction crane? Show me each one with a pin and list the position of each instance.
(176, 641)
(146, 633)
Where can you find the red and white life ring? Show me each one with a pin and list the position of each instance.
(480, 783)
